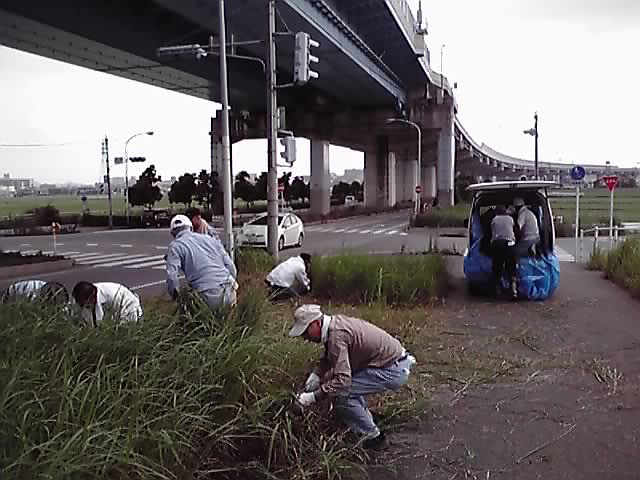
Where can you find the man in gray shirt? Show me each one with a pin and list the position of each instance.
(503, 240)
(205, 263)
(528, 226)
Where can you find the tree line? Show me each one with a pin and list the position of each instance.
(204, 189)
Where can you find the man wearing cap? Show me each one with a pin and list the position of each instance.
(528, 225)
(360, 359)
(205, 263)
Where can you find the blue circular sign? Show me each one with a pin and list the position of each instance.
(577, 173)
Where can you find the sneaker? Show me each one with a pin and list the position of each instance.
(376, 442)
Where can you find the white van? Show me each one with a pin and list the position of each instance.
(539, 274)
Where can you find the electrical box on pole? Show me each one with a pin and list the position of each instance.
(303, 59)
(289, 153)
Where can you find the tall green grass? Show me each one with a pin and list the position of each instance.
(189, 395)
(622, 264)
(396, 279)
(252, 260)
(442, 217)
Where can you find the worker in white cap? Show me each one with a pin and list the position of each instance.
(360, 359)
(527, 222)
(206, 265)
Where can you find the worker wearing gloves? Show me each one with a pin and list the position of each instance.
(290, 279)
(95, 299)
(205, 263)
(360, 359)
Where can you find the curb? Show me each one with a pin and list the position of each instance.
(36, 268)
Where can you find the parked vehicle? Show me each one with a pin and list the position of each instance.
(539, 274)
(290, 231)
(156, 217)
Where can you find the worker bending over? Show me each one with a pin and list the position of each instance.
(205, 263)
(53, 293)
(97, 299)
(360, 359)
(290, 279)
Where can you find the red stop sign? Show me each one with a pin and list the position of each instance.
(611, 181)
(418, 189)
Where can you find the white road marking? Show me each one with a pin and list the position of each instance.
(129, 260)
(148, 264)
(25, 244)
(153, 284)
(340, 230)
(125, 245)
(404, 234)
(563, 255)
(60, 244)
(365, 231)
(158, 247)
(377, 232)
(392, 232)
(102, 259)
(92, 244)
(85, 255)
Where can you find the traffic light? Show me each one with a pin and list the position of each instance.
(137, 159)
(303, 59)
(289, 154)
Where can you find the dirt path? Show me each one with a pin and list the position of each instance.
(549, 391)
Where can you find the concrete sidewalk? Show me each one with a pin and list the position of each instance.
(562, 405)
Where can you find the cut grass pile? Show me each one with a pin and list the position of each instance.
(621, 265)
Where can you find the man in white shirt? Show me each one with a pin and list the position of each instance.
(96, 299)
(529, 230)
(290, 279)
(53, 293)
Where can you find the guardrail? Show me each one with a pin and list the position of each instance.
(614, 236)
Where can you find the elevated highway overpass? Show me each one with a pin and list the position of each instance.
(374, 65)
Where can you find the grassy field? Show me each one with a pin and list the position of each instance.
(594, 206)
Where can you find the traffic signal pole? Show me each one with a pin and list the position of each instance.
(105, 152)
(272, 136)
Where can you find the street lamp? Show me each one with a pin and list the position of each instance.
(534, 133)
(417, 196)
(126, 170)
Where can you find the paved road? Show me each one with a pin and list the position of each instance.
(135, 257)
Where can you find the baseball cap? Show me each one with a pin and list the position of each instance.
(303, 317)
(518, 202)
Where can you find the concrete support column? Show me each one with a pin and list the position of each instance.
(446, 159)
(379, 175)
(410, 179)
(320, 178)
(401, 171)
(429, 182)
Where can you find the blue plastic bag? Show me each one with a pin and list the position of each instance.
(538, 277)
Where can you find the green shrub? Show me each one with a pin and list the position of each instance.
(623, 265)
(598, 260)
(396, 279)
(45, 216)
(174, 396)
(252, 260)
(442, 217)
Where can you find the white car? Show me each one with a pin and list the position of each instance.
(290, 231)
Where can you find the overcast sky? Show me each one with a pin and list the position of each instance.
(574, 61)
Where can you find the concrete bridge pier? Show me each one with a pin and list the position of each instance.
(406, 177)
(446, 156)
(380, 175)
(429, 182)
(320, 177)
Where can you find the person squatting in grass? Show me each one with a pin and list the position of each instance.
(52, 293)
(207, 266)
(360, 359)
(97, 299)
(290, 279)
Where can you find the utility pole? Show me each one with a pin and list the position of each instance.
(226, 144)
(272, 151)
(535, 127)
(105, 153)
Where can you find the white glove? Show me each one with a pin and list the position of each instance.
(312, 383)
(306, 399)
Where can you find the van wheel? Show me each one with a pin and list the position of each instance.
(281, 244)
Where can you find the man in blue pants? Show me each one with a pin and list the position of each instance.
(360, 359)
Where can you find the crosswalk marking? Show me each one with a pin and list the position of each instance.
(80, 256)
(102, 259)
(153, 263)
(128, 259)
(392, 232)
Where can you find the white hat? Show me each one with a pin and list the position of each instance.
(303, 317)
(180, 221)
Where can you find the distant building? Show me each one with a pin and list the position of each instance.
(17, 183)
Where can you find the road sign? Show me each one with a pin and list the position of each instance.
(577, 173)
(611, 181)
(118, 161)
(418, 189)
